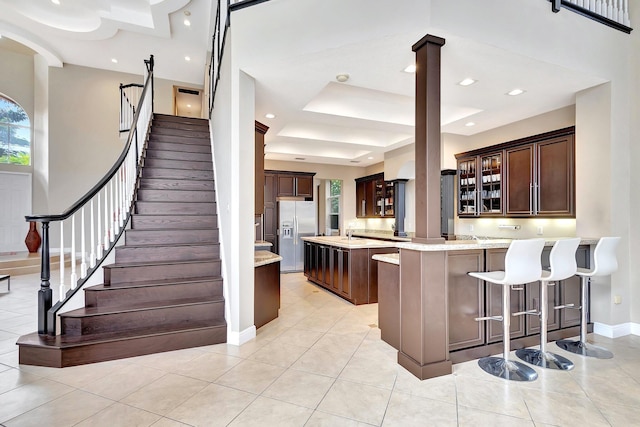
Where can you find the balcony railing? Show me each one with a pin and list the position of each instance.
(614, 13)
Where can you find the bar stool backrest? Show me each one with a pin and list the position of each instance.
(522, 262)
(604, 256)
(562, 259)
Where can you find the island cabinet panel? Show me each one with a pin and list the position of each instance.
(389, 303)
(569, 292)
(466, 299)
(266, 293)
(495, 261)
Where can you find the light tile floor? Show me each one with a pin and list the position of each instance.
(321, 363)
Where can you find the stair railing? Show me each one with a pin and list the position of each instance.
(129, 97)
(613, 13)
(106, 208)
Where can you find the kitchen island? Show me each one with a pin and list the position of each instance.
(344, 266)
(439, 302)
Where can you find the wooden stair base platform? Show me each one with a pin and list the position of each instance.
(60, 351)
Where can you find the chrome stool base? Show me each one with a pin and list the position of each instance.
(507, 369)
(584, 349)
(544, 359)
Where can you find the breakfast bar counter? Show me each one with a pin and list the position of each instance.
(428, 303)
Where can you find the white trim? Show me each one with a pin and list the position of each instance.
(239, 338)
(615, 331)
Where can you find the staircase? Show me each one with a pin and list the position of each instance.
(164, 291)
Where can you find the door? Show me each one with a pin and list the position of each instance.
(15, 194)
(555, 179)
(519, 179)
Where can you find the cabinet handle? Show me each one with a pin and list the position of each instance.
(537, 199)
(531, 198)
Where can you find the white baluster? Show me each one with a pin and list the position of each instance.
(122, 196)
(63, 290)
(98, 231)
(83, 263)
(599, 7)
(74, 276)
(614, 14)
(92, 258)
(113, 219)
(106, 218)
(609, 12)
(627, 21)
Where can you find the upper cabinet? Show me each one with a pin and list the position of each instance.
(533, 176)
(295, 185)
(259, 167)
(375, 197)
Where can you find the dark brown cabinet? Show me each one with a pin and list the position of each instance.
(466, 299)
(295, 185)
(266, 293)
(375, 197)
(533, 176)
(349, 273)
(259, 167)
(270, 218)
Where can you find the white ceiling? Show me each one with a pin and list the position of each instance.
(295, 62)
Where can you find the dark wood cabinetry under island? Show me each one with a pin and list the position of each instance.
(344, 266)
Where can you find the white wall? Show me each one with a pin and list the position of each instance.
(233, 132)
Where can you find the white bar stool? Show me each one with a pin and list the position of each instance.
(604, 263)
(562, 263)
(521, 265)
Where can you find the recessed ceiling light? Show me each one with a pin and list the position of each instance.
(187, 58)
(370, 158)
(188, 105)
(515, 92)
(467, 82)
(55, 1)
(270, 116)
(114, 60)
(410, 69)
(470, 124)
(187, 22)
(299, 158)
(342, 77)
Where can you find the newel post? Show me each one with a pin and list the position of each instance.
(45, 293)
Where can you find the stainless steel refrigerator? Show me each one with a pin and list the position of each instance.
(296, 219)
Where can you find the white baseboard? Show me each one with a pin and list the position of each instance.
(239, 338)
(615, 331)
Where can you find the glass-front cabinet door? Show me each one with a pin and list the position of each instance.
(491, 189)
(467, 186)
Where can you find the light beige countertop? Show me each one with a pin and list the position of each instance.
(380, 235)
(261, 258)
(461, 245)
(388, 258)
(353, 243)
(262, 244)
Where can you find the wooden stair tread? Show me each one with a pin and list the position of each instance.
(153, 263)
(101, 311)
(63, 341)
(151, 283)
(170, 245)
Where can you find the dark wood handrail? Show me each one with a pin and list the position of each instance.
(105, 179)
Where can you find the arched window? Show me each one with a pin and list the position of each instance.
(15, 133)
